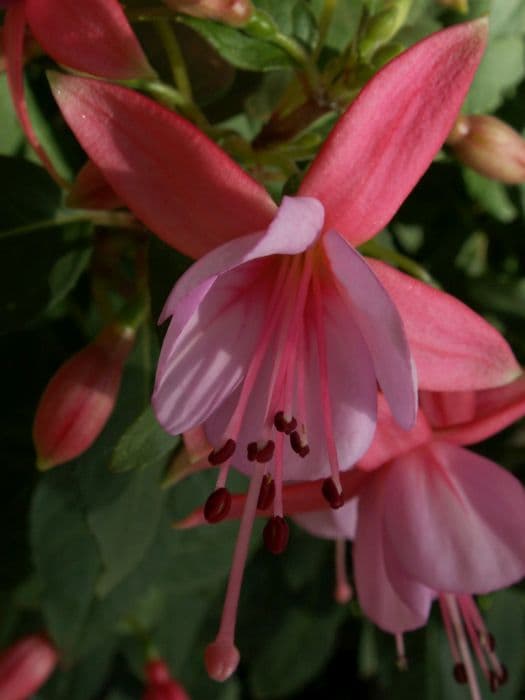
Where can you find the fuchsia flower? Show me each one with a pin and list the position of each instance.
(93, 38)
(278, 336)
(160, 684)
(25, 666)
(434, 520)
(80, 397)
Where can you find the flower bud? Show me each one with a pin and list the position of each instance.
(160, 684)
(382, 26)
(489, 146)
(80, 397)
(234, 12)
(25, 667)
(457, 5)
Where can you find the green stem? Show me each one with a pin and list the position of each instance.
(175, 57)
(109, 219)
(325, 20)
(375, 250)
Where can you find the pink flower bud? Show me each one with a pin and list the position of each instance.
(235, 12)
(80, 397)
(489, 146)
(25, 666)
(160, 684)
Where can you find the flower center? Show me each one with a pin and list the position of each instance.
(293, 328)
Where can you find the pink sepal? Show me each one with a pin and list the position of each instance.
(388, 137)
(172, 177)
(454, 349)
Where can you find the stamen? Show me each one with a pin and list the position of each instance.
(218, 505)
(334, 497)
(343, 590)
(461, 639)
(324, 381)
(284, 424)
(401, 661)
(267, 493)
(298, 444)
(223, 454)
(261, 453)
(276, 534)
(460, 673)
(494, 682)
(222, 656)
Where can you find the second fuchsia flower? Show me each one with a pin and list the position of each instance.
(278, 336)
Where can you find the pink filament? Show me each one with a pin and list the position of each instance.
(226, 631)
(343, 590)
(325, 390)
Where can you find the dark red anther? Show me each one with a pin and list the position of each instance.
(282, 424)
(217, 506)
(252, 451)
(334, 498)
(267, 493)
(491, 641)
(260, 454)
(494, 681)
(297, 444)
(223, 454)
(460, 673)
(266, 453)
(276, 534)
(504, 675)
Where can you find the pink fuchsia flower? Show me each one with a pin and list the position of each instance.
(160, 684)
(93, 38)
(234, 12)
(25, 666)
(435, 521)
(80, 397)
(292, 299)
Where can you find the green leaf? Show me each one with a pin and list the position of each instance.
(491, 196)
(65, 555)
(240, 50)
(143, 444)
(301, 646)
(32, 196)
(500, 71)
(11, 136)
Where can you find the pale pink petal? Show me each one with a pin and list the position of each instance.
(380, 324)
(495, 409)
(331, 524)
(92, 191)
(455, 520)
(454, 349)
(14, 33)
(377, 596)
(352, 390)
(390, 440)
(295, 227)
(172, 177)
(200, 366)
(388, 137)
(93, 37)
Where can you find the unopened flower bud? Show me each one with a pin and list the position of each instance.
(457, 5)
(489, 146)
(160, 685)
(384, 25)
(25, 666)
(80, 397)
(91, 190)
(234, 12)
